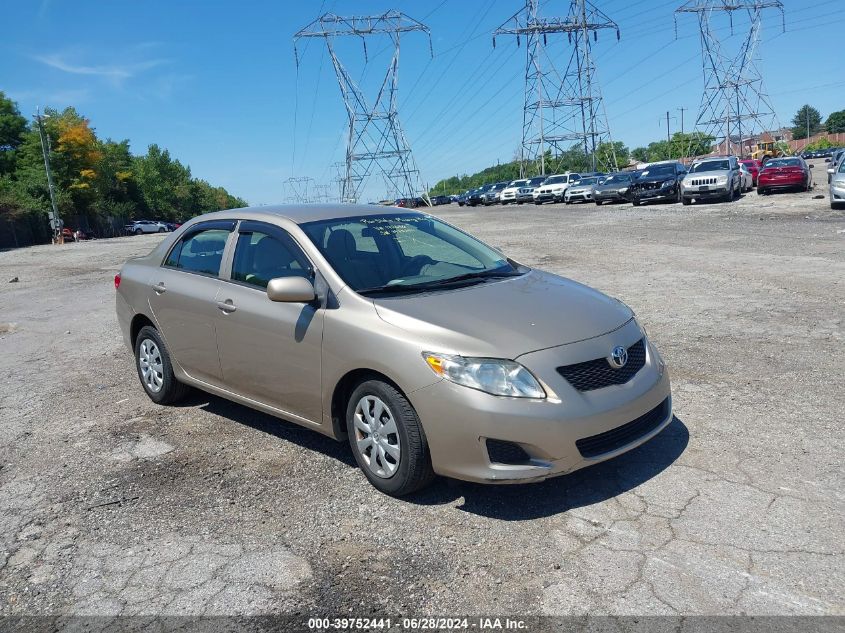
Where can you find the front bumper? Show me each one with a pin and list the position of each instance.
(548, 196)
(657, 194)
(837, 192)
(458, 421)
(579, 196)
(604, 196)
(698, 193)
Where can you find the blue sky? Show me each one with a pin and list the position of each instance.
(216, 82)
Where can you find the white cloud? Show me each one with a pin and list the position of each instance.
(116, 72)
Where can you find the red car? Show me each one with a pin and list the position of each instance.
(790, 172)
(753, 166)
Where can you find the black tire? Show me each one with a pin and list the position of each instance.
(537, 202)
(171, 389)
(598, 203)
(686, 201)
(414, 470)
(761, 192)
(162, 230)
(635, 202)
(138, 231)
(680, 195)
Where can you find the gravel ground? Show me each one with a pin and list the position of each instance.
(110, 504)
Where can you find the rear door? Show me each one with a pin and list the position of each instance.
(270, 351)
(183, 298)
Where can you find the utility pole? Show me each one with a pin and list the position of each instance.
(560, 109)
(55, 222)
(668, 135)
(807, 116)
(682, 118)
(734, 102)
(375, 138)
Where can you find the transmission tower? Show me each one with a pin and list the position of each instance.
(375, 141)
(298, 190)
(561, 110)
(734, 108)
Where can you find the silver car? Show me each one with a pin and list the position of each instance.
(837, 186)
(717, 177)
(424, 348)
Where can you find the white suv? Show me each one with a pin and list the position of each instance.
(510, 192)
(145, 226)
(554, 187)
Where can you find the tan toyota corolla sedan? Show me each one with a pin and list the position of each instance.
(429, 350)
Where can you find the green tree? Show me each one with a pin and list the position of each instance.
(835, 123)
(807, 118)
(12, 129)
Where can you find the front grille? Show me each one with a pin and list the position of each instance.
(598, 373)
(614, 439)
(502, 452)
(697, 182)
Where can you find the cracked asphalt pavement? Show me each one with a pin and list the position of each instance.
(112, 505)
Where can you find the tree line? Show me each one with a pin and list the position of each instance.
(99, 184)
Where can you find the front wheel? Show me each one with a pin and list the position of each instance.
(635, 202)
(155, 370)
(138, 231)
(387, 439)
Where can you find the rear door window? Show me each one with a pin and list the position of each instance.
(199, 252)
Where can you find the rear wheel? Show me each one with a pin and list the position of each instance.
(387, 439)
(138, 231)
(152, 360)
(686, 201)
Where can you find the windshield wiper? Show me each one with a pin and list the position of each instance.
(476, 277)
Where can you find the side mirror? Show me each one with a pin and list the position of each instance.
(827, 160)
(291, 290)
(811, 166)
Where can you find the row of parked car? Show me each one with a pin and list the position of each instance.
(712, 177)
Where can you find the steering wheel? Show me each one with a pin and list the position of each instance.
(413, 266)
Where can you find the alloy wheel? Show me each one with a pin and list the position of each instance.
(376, 436)
(152, 367)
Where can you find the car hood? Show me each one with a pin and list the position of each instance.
(707, 174)
(655, 178)
(506, 318)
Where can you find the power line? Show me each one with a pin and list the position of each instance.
(375, 139)
(561, 109)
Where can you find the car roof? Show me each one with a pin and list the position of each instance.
(300, 213)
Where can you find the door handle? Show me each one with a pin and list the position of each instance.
(226, 306)
(159, 288)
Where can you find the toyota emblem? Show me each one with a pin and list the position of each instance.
(618, 357)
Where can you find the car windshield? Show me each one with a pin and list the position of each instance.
(784, 162)
(553, 179)
(710, 165)
(617, 178)
(587, 181)
(405, 252)
(658, 170)
(536, 181)
(518, 183)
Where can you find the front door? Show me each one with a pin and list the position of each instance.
(182, 298)
(269, 351)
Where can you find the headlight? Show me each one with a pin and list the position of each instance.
(668, 183)
(622, 190)
(722, 180)
(495, 376)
